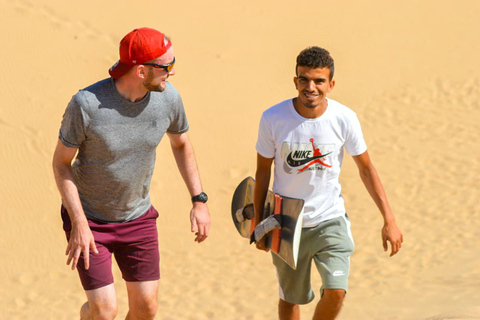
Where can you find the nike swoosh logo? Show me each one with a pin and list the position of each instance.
(298, 163)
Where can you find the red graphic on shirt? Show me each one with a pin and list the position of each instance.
(316, 153)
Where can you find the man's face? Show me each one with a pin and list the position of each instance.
(156, 77)
(313, 85)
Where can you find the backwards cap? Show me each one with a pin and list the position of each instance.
(137, 47)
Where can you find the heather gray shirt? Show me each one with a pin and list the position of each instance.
(117, 141)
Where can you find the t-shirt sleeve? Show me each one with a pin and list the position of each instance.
(179, 121)
(73, 128)
(265, 143)
(355, 143)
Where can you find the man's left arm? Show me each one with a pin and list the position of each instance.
(185, 158)
(371, 180)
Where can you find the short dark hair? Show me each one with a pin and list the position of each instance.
(315, 57)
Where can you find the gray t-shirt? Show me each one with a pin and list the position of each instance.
(117, 141)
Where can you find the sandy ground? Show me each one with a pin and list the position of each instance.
(409, 69)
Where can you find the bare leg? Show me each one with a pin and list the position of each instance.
(288, 311)
(330, 305)
(101, 304)
(142, 300)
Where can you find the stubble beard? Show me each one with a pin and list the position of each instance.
(152, 87)
(312, 104)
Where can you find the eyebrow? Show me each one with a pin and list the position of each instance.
(317, 79)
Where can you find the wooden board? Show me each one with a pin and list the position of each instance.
(284, 242)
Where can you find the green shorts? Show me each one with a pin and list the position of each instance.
(330, 245)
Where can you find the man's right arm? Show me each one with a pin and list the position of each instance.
(81, 237)
(262, 181)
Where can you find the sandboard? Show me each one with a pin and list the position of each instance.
(285, 241)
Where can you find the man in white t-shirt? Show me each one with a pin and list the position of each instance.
(305, 138)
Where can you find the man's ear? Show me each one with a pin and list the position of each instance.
(295, 80)
(141, 71)
(332, 84)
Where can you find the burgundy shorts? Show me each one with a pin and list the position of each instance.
(134, 244)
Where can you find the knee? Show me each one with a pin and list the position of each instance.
(285, 306)
(109, 314)
(144, 310)
(334, 296)
(104, 311)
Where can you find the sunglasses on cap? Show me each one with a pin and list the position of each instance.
(167, 67)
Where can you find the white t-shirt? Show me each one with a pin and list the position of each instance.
(308, 155)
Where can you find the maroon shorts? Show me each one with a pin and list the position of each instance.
(134, 243)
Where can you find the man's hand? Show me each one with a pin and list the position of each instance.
(262, 179)
(392, 234)
(200, 221)
(81, 241)
(261, 244)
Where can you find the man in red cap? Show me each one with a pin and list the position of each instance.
(112, 129)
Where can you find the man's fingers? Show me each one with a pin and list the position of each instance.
(194, 225)
(94, 247)
(68, 249)
(199, 233)
(202, 234)
(86, 258)
(200, 238)
(261, 246)
(394, 250)
(71, 253)
(207, 230)
(385, 244)
(70, 257)
(395, 247)
(76, 256)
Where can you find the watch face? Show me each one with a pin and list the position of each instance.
(202, 197)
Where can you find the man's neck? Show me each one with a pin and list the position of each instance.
(310, 113)
(128, 90)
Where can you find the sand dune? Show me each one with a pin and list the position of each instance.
(463, 314)
(410, 70)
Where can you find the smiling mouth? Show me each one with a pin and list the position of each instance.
(310, 96)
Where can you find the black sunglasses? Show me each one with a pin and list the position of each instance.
(166, 67)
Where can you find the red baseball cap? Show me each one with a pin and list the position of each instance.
(139, 46)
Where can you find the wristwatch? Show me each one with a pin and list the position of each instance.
(202, 197)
